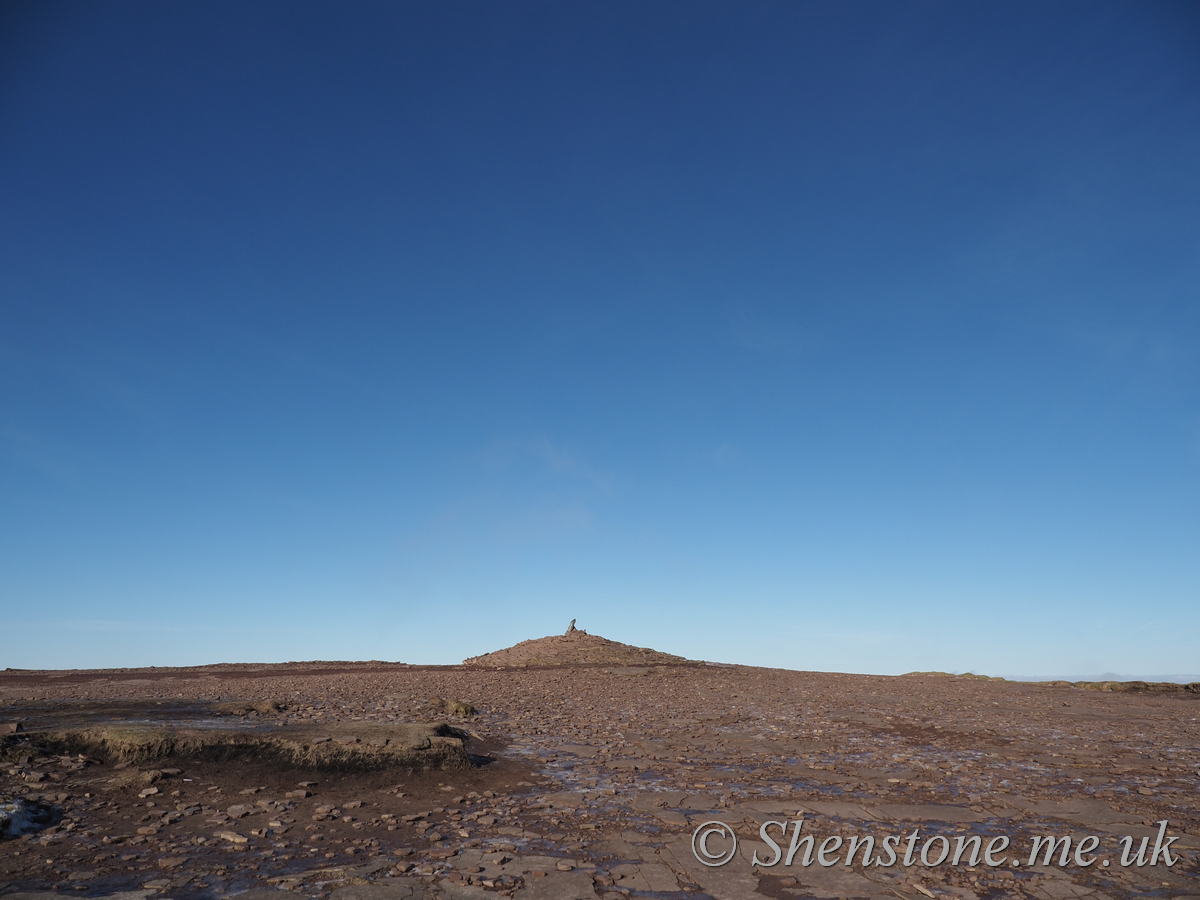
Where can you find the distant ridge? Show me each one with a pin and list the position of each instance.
(1134, 687)
(1121, 687)
(573, 649)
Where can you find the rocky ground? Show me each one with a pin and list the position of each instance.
(582, 781)
(575, 648)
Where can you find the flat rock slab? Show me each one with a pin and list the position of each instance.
(448, 890)
(557, 885)
(565, 800)
(840, 809)
(655, 800)
(929, 812)
(835, 881)
(1082, 810)
(579, 750)
(392, 889)
(645, 876)
(724, 883)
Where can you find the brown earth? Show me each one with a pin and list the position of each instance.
(586, 781)
(575, 648)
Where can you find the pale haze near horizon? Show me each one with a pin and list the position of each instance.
(830, 337)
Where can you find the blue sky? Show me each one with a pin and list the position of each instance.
(850, 336)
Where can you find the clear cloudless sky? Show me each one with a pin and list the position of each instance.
(844, 336)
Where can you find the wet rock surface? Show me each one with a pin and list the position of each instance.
(585, 781)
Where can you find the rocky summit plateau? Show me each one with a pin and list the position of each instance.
(575, 768)
(575, 648)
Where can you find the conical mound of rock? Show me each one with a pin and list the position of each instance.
(575, 648)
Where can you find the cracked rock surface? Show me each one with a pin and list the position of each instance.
(581, 781)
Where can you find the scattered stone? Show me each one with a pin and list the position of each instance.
(607, 776)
